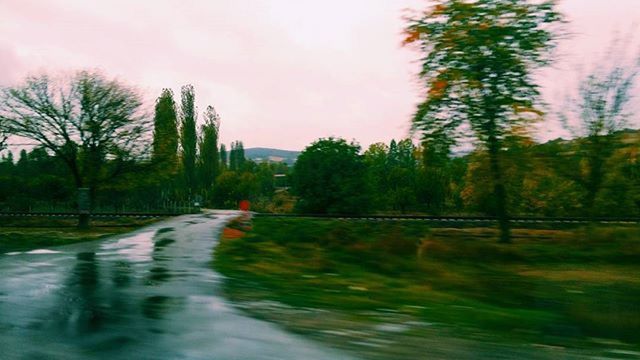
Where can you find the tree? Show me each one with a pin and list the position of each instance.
(8, 159)
(84, 120)
(434, 177)
(236, 156)
(478, 57)
(602, 110)
(209, 160)
(329, 176)
(240, 156)
(402, 175)
(165, 133)
(223, 156)
(188, 137)
(377, 164)
(392, 174)
(23, 159)
(233, 164)
(232, 187)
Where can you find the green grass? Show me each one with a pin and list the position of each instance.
(552, 287)
(29, 234)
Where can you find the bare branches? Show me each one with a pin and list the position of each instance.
(84, 119)
(600, 107)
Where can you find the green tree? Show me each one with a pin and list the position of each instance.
(391, 175)
(478, 58)
(165, 134)
(8, 159)
(223, 157)
(329, 176)
(434, 177)
(23, 159)
(240, 156)
(232, 186)
(188, 138)
(209, 159)
(236, 156)
(377, 165)
(401, 175)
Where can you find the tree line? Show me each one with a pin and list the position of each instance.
(333, 176)
(89, 132)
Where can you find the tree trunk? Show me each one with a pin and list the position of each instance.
(597, 153)
(84, 207)
(499, 192)
(84, 221)
(71, 161)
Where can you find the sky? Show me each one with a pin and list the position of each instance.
(281, 73)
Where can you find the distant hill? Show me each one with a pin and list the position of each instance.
(273, 155)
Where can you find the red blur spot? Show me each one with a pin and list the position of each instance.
(245, 205)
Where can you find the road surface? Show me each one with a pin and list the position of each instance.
(150, 294)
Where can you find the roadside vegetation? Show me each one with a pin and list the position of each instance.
(395, 288)
(24, 234)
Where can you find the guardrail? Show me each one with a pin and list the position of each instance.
(93, 215)
(515, 219)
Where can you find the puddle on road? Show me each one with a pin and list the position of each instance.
(43, 251)
(136, 248)
(212, 302)
(121, 274)
(155, 307)
(34, 252)
(164, 230)
(160, 244)
(158, 275)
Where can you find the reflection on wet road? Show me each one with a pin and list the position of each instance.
(145, 295)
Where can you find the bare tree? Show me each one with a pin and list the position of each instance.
(599, 111)
(85, 120)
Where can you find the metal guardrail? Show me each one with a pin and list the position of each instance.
(93, 215)
(480, 219)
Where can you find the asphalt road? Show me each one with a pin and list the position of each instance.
(150, 294)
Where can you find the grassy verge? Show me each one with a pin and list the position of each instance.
(29, 234)
(398, 289)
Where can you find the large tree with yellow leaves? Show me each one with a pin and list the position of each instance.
(477, 68)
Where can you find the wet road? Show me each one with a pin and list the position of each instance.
(150, 294)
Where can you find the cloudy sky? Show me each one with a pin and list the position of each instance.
(280, 72)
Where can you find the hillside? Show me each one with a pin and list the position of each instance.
(274, 155)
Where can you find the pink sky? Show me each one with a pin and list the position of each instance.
(281, 73)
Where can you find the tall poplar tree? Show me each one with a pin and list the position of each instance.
(233, 164)
(223, 156)
(236, 156)
(477, 64)
(165, 133)
(209, 163)
(240, 157)
(188, 136)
